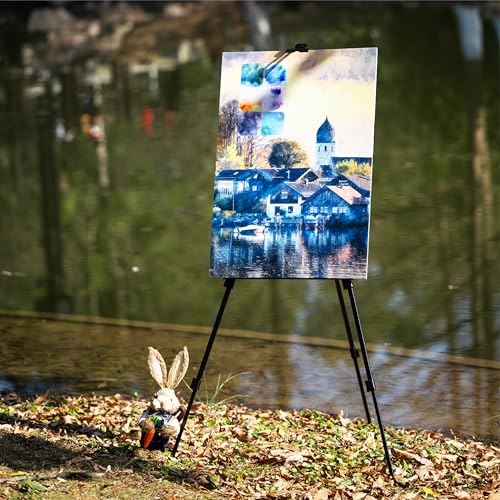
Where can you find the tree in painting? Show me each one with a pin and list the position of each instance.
(228, 121)
(351, 166)
(235, 150)
(286, 154)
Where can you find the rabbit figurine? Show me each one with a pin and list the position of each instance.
(161, 420)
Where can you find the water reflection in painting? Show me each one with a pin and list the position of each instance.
(290, 253)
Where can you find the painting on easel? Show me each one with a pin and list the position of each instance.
(293, 170)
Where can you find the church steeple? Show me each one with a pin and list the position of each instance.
(325, 145)
(325, 133)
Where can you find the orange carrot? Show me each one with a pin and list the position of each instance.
(148, 438)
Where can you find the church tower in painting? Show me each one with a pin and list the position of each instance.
(325, 147)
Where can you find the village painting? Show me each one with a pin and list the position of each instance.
(294, 161)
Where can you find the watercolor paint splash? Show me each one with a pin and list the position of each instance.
(250, 106)
(273, 99)
(276, 75)
(249, 123)
(272, 123)
(258, 107)
(252, 74)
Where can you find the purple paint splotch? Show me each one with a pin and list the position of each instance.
(273, 100)
(249, 123)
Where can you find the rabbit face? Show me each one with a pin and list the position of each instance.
(166, 400)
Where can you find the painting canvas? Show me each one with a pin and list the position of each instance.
(293, 169)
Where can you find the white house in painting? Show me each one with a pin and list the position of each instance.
(230, 182)
(287, 198)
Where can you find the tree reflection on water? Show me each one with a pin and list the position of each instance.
(134, 243)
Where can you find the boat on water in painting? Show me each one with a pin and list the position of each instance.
(249, 229)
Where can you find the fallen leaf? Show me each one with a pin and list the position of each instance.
(242, 435)
(462, 494)
(456, 444)
(319, 494)
(428, 491)
(41, 398)
(359, 496)
(402, 454)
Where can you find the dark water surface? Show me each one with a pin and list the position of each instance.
(120, 227)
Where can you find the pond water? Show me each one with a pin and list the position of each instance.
(85, 355)
(106, 191)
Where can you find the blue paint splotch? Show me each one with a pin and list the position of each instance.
(252, 74)
(249, 123)
(276, 75)
(272, 123)
(273, 100)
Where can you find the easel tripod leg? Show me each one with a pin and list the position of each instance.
(370, 384)
(195, 384)
(354, 351)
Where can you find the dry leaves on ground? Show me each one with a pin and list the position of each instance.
(235, 452)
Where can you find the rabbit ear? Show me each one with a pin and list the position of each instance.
(157, 367)
(178, 369)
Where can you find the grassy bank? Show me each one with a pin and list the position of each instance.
(57, 447)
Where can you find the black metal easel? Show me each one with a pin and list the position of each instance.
(195, 384)
(355, 354)
(370, 384)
